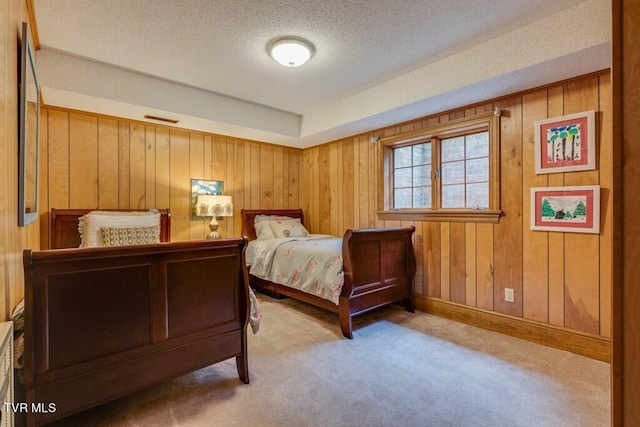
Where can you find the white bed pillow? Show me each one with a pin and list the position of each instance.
(263, 230)
(262, 225)
(288, 228)
(90, 224)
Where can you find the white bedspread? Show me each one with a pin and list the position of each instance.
(311, 264)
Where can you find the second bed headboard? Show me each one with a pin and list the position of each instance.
(248, 217)
(64, 225)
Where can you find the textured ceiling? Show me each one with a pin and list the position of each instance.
(218, 47)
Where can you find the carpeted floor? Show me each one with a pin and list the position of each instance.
(401, 369)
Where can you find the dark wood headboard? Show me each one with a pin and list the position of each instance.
(64, 225)
(248, 217)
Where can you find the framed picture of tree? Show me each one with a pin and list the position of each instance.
(566, 209)
(566, 144)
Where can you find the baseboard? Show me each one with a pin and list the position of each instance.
(592, 346)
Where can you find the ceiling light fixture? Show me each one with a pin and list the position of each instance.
(290, 51)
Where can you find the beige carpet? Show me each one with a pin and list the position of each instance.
(401, 369)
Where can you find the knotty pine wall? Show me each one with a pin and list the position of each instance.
(13, 239)
(560, 279)
(96, 161)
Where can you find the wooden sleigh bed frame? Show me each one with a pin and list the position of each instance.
(153, 312)
(379, 267)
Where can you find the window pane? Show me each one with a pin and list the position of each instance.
(402, 178)
(402, 198)
(478, 195)
(478, 170)
(453, 196)
(422, 197)
(453, 149)
(422, 154)
(453, 173)
(422, 175)
(402, 157)
(478, 145)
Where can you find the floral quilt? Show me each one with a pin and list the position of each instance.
(311, 264)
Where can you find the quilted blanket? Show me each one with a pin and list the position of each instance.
(311, 264)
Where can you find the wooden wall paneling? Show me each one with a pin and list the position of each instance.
(324, 197)
(348, 184)
(360, 201)
(457, 260)
(254, 173)
(582, 251)
(198, 228)
(315, 202)
(266, 176)
(58, 153)
(107, 163)
(180, 185)
(83, 161)
(137, 166)
(431, 235)
(163, 168)
(295, 162)
(123, 165)
(150, 167)
(339, 227)
(484, 266)
(244, 157)
(374, 170)
(239, 188)
(218, 172)
(535, 244)
(231, 225)
(419, 283)
(207, 158)
(278, 176)
(508, 233)
(42, 240)
(605, 167)
(555, 108)
(334, 188)
(471, 256)
(445, 261)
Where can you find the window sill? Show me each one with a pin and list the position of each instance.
(442, 215)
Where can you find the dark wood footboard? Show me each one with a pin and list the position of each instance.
(104, 322)
(379, 268)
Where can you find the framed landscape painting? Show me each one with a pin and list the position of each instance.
(567, 209)
(566, 144)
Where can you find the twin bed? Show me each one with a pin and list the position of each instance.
(102, 322)
(376, 267)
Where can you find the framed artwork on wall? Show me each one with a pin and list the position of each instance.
(566, 143)
(201, 187)
(567, 209)
(28, 131)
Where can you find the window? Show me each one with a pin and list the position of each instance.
(444, 172)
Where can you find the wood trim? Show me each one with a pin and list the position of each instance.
(467, 215)
(457, 126)
(625, 372)
(592, 346)
(35, 38)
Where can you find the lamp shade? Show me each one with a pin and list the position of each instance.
(290, 51)
(214, 205)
